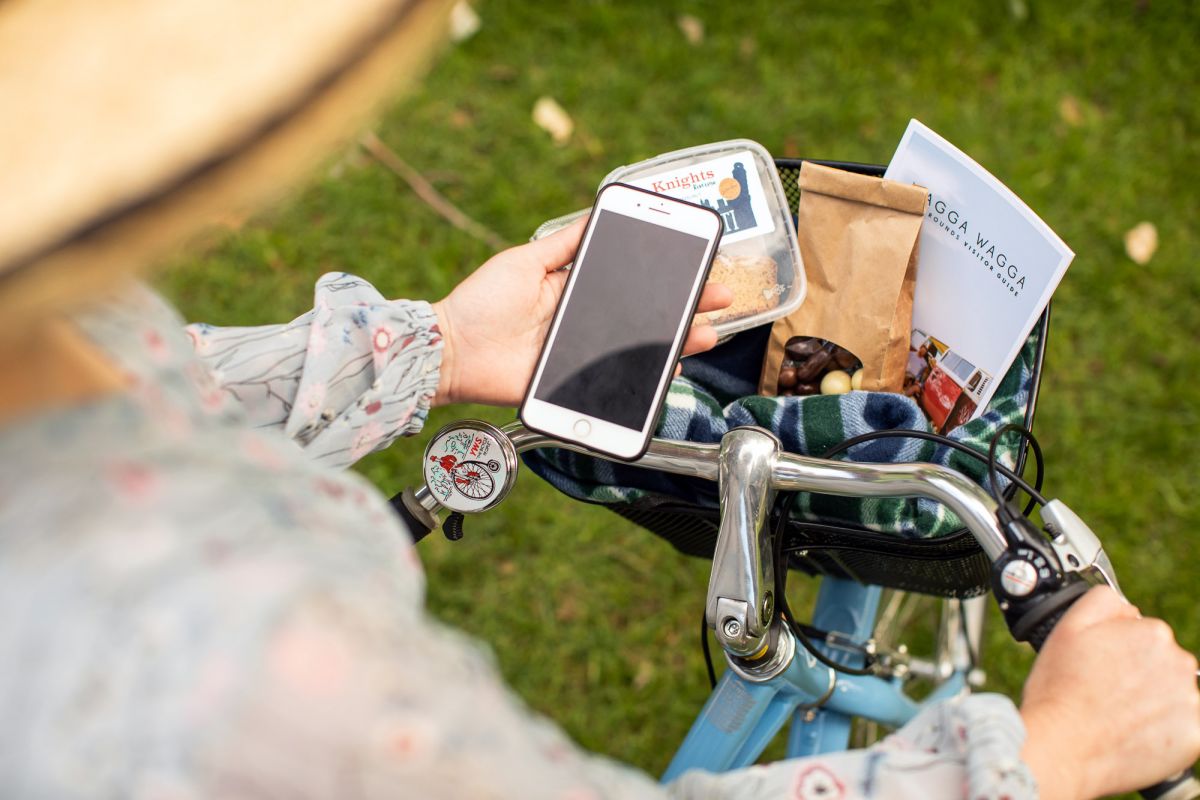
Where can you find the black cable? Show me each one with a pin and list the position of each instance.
(784, 505)
(1003, 512)
(1034, 491)
(817, 633)
(708, 662)
(802, 631)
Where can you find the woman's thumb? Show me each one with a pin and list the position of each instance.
(1100, 604)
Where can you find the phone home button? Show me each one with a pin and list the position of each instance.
(583, 428)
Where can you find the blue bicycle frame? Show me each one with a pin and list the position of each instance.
(742, 716)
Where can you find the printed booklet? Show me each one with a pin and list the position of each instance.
(987, 268)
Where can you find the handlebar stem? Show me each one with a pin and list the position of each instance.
(740, 589)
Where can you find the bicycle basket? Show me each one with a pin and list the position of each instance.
(907, 543)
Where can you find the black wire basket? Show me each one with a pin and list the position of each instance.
(951, 565)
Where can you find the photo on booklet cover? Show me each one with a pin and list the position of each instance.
(946, 386)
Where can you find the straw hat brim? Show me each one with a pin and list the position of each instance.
(131, 123)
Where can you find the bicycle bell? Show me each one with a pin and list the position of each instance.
(469, 466)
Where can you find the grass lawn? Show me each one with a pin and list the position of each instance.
(1086, 110)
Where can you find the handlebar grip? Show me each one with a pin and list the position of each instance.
(1183, 786)
(418, 521)
(1038, 620)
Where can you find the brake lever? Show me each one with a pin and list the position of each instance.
(1078, 549)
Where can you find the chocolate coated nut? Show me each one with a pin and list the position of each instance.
(799, 348)
(844, 358)
(787, 377)
(813, 366)
(808, 388)
(787, 393)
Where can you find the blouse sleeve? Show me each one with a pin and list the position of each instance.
(342, 380)
(346, 707)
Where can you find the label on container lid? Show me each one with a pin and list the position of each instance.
(728, 184)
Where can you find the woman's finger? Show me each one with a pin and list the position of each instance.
(1100, 604)
(714, 297)
(700, 338)
(557, 249)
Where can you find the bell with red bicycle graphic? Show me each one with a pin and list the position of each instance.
(470, 466)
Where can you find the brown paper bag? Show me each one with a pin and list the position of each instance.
(858, 236)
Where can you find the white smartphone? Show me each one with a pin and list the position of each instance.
(621, 322)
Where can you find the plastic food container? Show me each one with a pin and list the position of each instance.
(759, 258)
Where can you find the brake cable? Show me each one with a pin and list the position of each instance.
(785, 503)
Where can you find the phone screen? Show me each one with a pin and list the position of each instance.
(619, 325)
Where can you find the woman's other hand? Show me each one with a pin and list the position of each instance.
(1111, 704)
(494, 322)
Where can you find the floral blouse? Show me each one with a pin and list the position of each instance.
(196, 601)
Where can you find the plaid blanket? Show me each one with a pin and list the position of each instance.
(717, 392)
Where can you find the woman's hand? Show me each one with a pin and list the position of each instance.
(1111, 704)
(494, 322)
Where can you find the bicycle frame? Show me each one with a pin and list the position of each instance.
(743, 715)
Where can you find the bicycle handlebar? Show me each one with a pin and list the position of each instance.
(796, 473)
(750, 467)
(1074, 547)
(1034, 578)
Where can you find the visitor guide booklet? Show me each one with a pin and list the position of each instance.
(986, 269)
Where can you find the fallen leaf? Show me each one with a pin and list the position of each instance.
(1141, 241)
(1070, 111)
(693, 28)
(644, 674)
(460, 118)
(464, 22)
(550, 117)
(747, 45)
